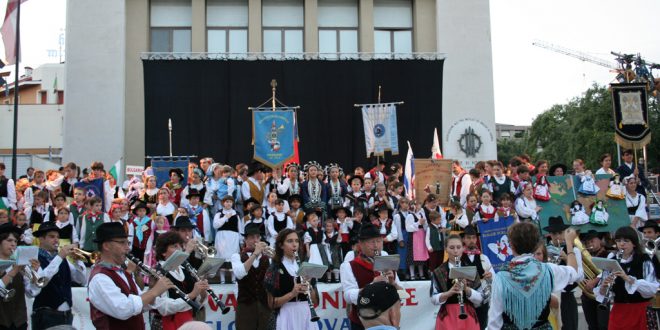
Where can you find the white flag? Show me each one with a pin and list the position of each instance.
(436, 153)
(409, 174)
(380, 130)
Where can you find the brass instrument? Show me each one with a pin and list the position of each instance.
(487, 286)
(652, 248)
(590, 270)
(92, 257)
(608, 293)
(554, 254)
(6, 294)
(312, 311)
(267, 250)
(216, 300)
(461, 302)
(204, 251)
(31, 275)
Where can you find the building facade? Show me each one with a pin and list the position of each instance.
(106, 41)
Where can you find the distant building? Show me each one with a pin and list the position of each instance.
(506, 131)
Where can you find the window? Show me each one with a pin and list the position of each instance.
(170, 25)
(338, 28)
(393, 28)
(227, 27)
(283, 22)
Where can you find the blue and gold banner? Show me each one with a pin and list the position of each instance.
(273, 134)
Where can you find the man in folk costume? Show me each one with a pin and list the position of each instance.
(115, 300)
(521, 293)
(250, 266)
(596, 318)
(359, 272)
(472, 256)
(254, 186)
(460, 182)
(52, 306)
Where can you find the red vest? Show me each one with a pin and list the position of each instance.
(105, 322)
(364, 274)
(458, 183)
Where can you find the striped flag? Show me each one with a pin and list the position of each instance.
(8, 31)
(409, 174)
(436, 153)
(115, 171)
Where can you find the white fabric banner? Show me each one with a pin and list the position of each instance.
(417, 312)
(380, 129)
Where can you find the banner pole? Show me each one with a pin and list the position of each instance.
(169, 128)
(273, 85)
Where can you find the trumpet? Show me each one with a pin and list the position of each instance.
(652, 247)
(608, 293)
(312, 311)
(31, 275)
(267, 250)
(152, 272)
(461, 302)
(6, 295)
(92, 257)
(216, 300)
(204, 251)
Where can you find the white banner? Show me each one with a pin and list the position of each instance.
(417, 312)
(380, 129)
(134, 170)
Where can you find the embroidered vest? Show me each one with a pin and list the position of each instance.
(256, 192)
(634, 268)
(251, 287)
(90, 231)
(106, 322)
(364, 274)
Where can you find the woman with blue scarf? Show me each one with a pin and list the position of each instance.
(521, 293)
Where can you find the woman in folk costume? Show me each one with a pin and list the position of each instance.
(541, 185)
(172, 311)
(336, 187)
(287, 297)
(227, 237)
(149, 194)
(521, 292)
(314, 192)
(448, 293)
(175, 185)
(635, 202)
(605, 164)
(289, 185)
(526, 205)
(165, 207)
(632, 288)
(197, 183)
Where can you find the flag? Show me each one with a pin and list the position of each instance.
(380, 129)
(93, 188)
(55, 86)
(114, 171)
(435, 150)
(494, 241)
(409, 174)
(8, 31)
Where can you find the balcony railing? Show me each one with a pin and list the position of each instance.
(290, 56)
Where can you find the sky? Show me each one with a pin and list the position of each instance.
(527, 79)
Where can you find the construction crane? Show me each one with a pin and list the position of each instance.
(577, 54)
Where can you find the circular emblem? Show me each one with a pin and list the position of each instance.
(469, 142)
(379, 130)
(364, 301)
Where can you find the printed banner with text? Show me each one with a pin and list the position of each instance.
(273, 134)
(494, 242)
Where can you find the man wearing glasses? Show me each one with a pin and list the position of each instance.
(115, 300)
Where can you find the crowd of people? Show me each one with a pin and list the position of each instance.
(263, 222)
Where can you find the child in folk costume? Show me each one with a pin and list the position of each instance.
(395, 191)
(505, 209)
(21, 223)
(77, 207)
(368, 188)
(335, 187)
(526, 207)
(500, 183)
(116, 216)
(403, 238)
(256, 219)
(149, 194)
(445, 292)
(456, 218)
(271, 205)
(477, 184)
(331, 242)
(67, 234)
(175, 185)
(471, 207)
(356, 223)
(542, 186)
(313, 240)
(197, 183)
(435, 233)
(485, 211)
(417, 253)
(344, 223)
(356, 197)
(387, 229)
(59, 202)
(91, 220)
(278, 221)
(41, 211)
(199, 216)
(227, 237)
(295, 212)
(165, 207)
(219, 185)
(381, 198)
(635, 202)
(290, 185)
(142, 228)
(523, 178)
(159, 226)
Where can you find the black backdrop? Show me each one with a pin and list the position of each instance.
(208, 102)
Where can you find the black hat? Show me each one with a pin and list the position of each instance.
(367, 231)
(255, 167)
(353, 177)
(346, 209)
(182, 222)
(556, 166)
(295, 197)
(469, 230)
(109, 230)
(381, 207)
(590, 234)
(360, 209)
(251, 200)
(10, 228)
(140, 205)
(377, 297)
(251, 229)
(178, 171)
(556, 225)
(650, 224)
(194, 192)
(45, 228)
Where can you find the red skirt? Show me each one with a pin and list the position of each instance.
(451, 320)
(628, 316)
(173, 322)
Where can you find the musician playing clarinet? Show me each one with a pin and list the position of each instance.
(173, 310)
(455, 297)
(359, 272)
(250, 266)
(115, 300)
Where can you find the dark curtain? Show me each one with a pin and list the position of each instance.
(208, 102)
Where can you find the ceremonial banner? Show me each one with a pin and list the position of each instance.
(92, 188)
(161, 167)
(631, 118)
(494, 242)
(417, 312)
(380, 129)
(409, 174)
(432, 176)
(273, 134)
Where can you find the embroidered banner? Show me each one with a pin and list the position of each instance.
(631, 118)
(494, 242)
(161, 167)
(93, 188)
(273, 134)
(380, 130)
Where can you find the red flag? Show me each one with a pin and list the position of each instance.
(8, 31)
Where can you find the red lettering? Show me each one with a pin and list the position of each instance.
(229, 301)
(333, 299)
(411, 300)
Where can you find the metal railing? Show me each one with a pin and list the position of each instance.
(290, 56)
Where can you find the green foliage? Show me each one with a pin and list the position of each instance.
(582, 128)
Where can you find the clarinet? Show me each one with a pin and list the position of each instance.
(608, 293)
(152, 272)
(216, 300)
(312, 311)
(461, 315)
